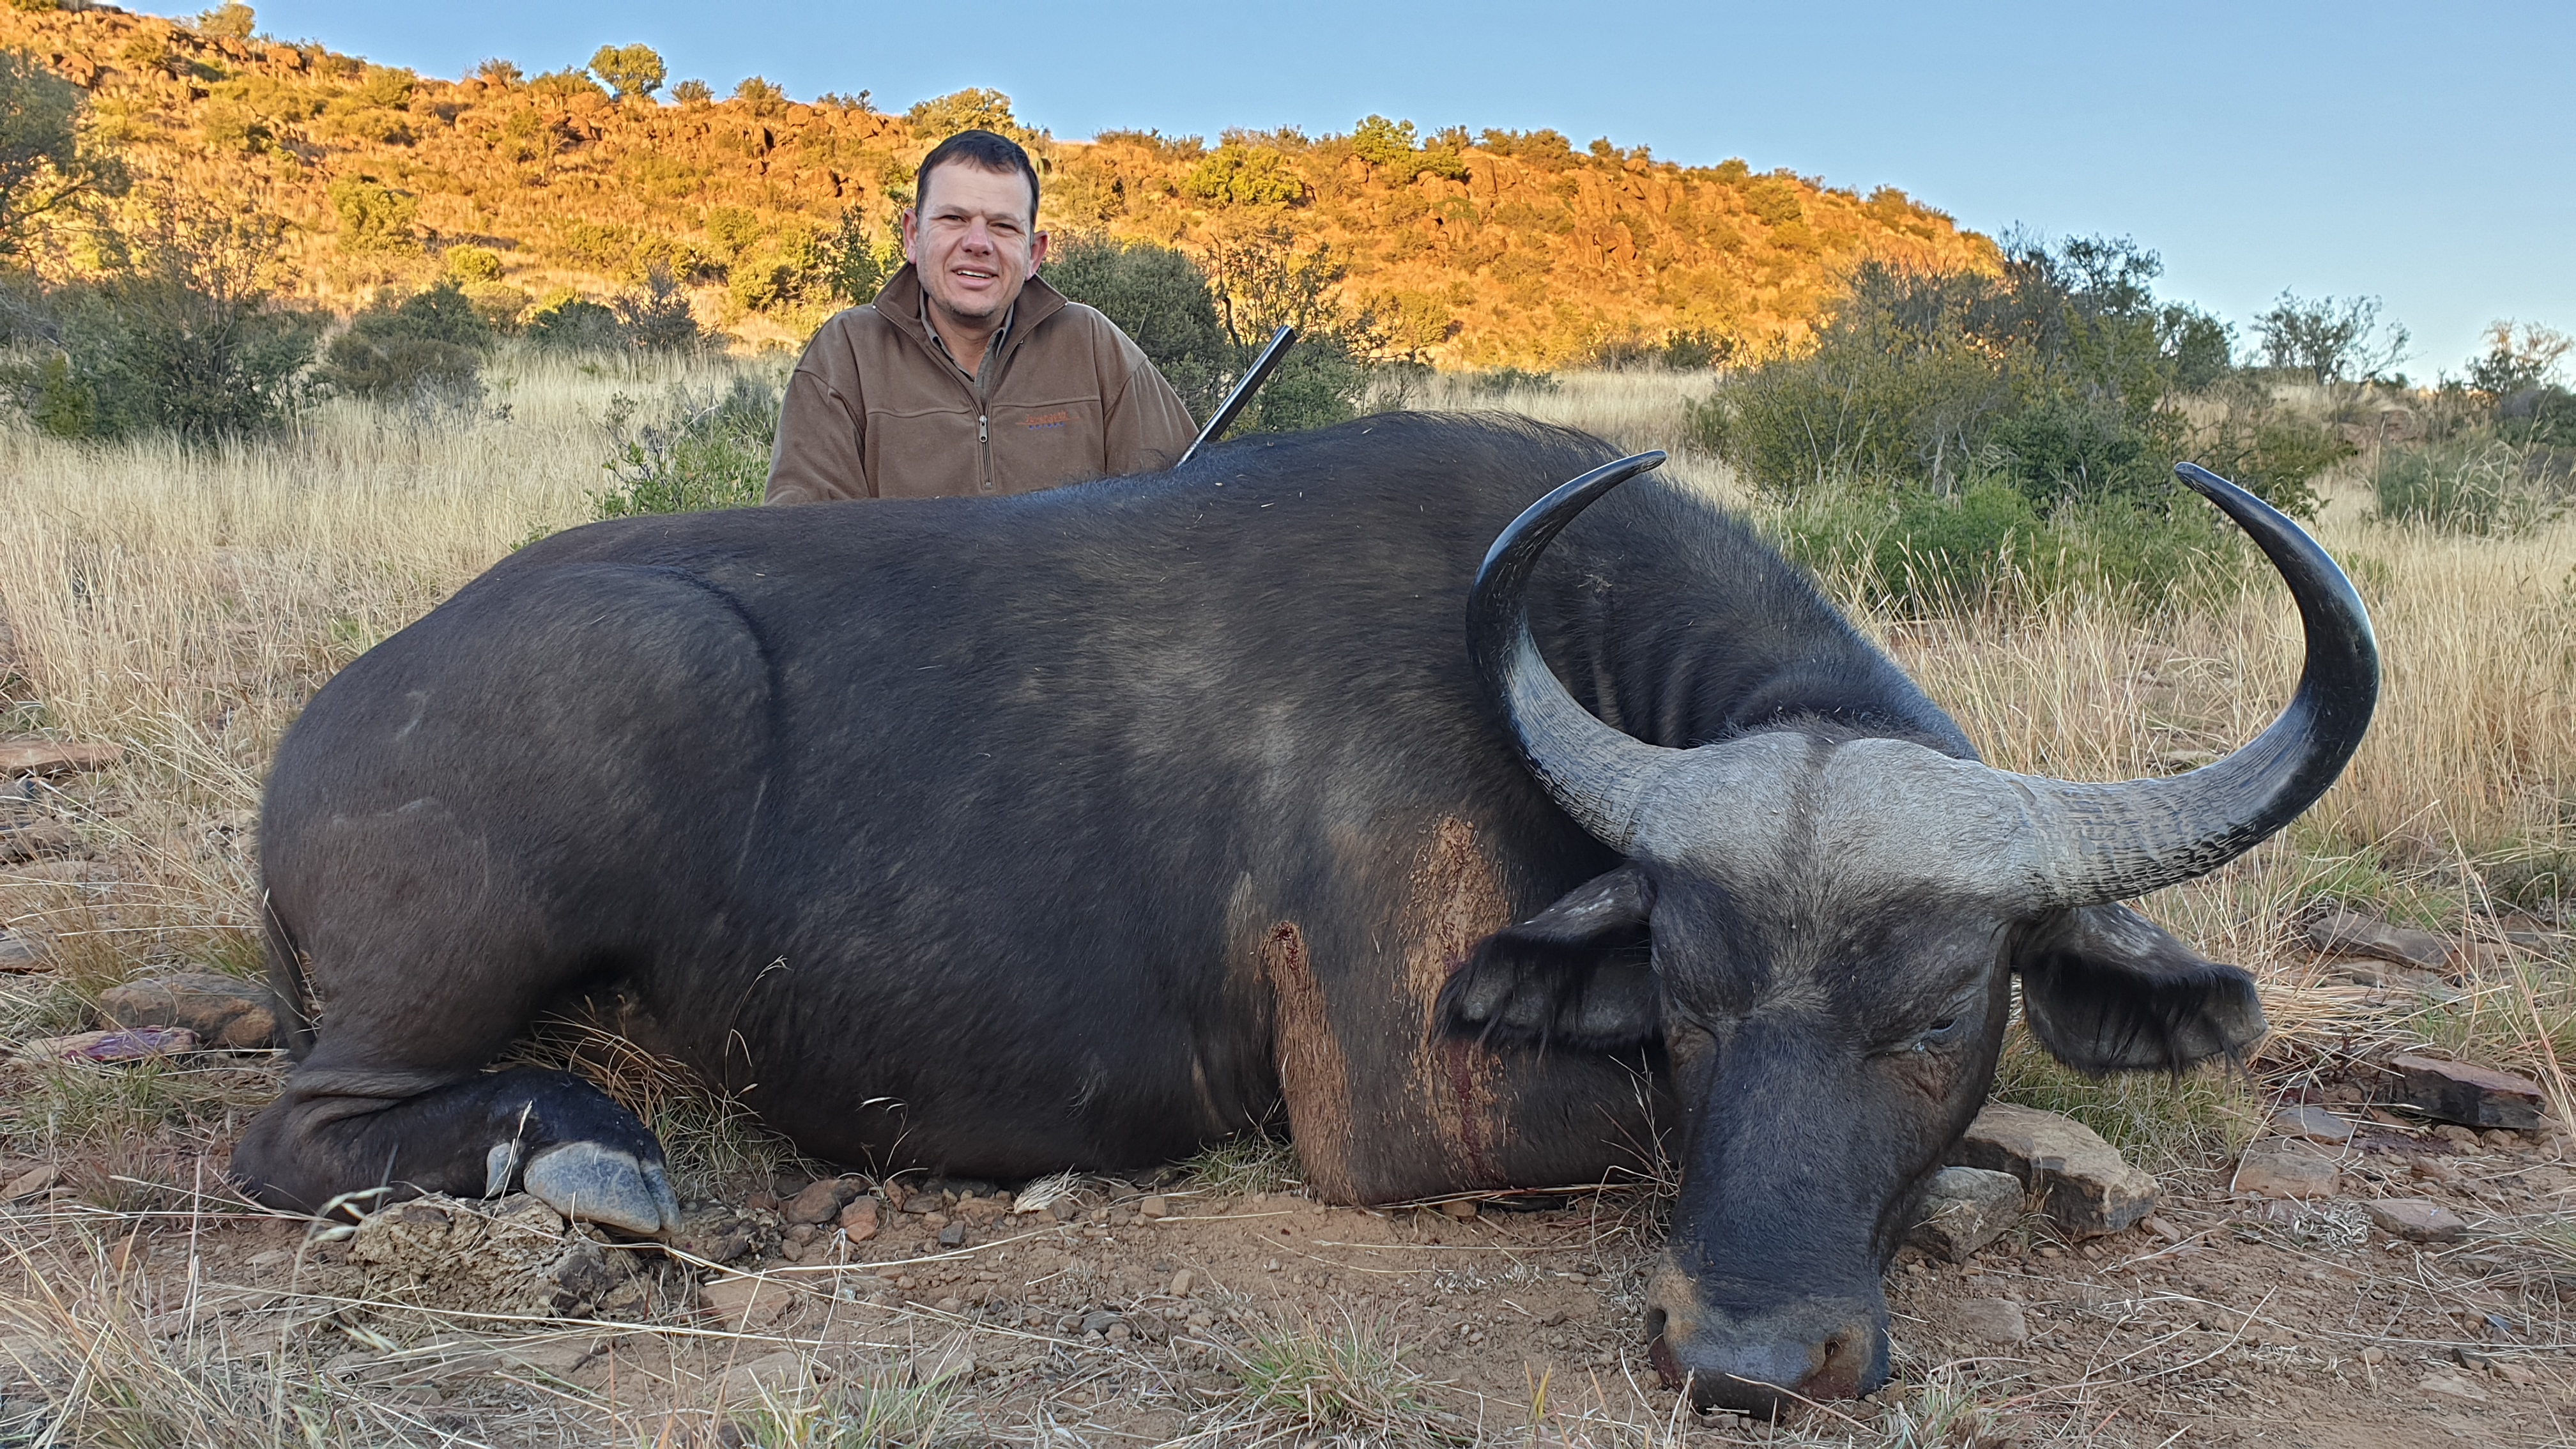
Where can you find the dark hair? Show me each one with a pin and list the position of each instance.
(984, 151)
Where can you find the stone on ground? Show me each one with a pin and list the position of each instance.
(2081, 1181)
(1964, 1209)
(2285, 1170)
(50, 757)
(110, 1047)
(2339, 931)
(17, 957)
(820, 1202)
(1992, 1320)
(2316, 1124)
(2471, 1095)
(2417, 1220)
(859, 1219)
(224, 1012)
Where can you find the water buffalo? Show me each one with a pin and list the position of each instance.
(1084, 828)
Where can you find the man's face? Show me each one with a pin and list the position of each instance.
(973, 241)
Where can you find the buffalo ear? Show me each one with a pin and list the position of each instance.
(1577, 974)
(2107, 990)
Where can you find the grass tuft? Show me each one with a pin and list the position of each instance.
(1304, 1380)
(1249, 1163)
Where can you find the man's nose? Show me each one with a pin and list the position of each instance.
(979, 237)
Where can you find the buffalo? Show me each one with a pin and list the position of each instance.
(1084, 828)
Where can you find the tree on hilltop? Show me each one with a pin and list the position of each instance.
(633, 71)
(231, 20)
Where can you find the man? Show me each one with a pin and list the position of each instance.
(967, 375)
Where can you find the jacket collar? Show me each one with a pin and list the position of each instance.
(901, 302)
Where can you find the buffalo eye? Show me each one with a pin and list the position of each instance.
(1943, 1033)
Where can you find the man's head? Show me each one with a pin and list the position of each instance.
(973, 233)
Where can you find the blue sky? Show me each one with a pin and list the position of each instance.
(2424, 154)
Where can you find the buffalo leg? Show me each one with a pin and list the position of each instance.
(340, 1131)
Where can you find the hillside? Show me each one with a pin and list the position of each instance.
(1505, 248)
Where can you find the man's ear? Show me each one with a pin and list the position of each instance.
(2106, 990)
(1577, 974)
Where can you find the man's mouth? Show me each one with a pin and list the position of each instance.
(971, 275)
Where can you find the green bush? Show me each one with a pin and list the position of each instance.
(1921, 553)
(576, 324)
(426, 348)
(374, 217)
(1160, 298)
(2062, 380)
(656, 317)
(184, 334)
(708, 451)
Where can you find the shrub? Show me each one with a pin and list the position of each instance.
(657, 318)
(2330, 338)
(231, 20)
(2060, 379)
(374, 217)
(973, 109)
(693, 93)
(184, 334)
(709, 451)
(1239, 175)
(425, 348)
(567, 85)
(1921, 553)
(759, 96)
(499, 74)
(1160, 298)
(576, 324)
(467, 265)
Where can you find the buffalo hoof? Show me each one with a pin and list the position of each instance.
(603, 1185)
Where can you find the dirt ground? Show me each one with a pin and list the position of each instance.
(142, 1303)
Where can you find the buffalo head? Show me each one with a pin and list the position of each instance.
(1821, 927)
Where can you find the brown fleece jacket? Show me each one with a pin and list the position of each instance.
(877, 410)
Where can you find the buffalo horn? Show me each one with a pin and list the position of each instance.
(2104, 843)
(1601, 776)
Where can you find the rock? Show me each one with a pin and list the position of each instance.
(2472, 1095)
(1992, 1320)
(2417, 1220)
(31, 1182)
(2365, 971)
(859, 1219)
(40, 842)
(2451, 1386)
(820, 1202)
(17, 957)
(953, 1236)
(1156, 1206)
(1459, 1208)
(2080, 1180)
(222, 1011)
(2313, 1123)
(106, 1047)
(2336, 930)
(47, 757)
(2284, 1170)
(1965, 1208)
(2163, 1230)
(1099, 1321)
(746, 1304)
(557, 1357)
(1182, 1282)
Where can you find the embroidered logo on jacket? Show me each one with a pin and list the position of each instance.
(1048, 420)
